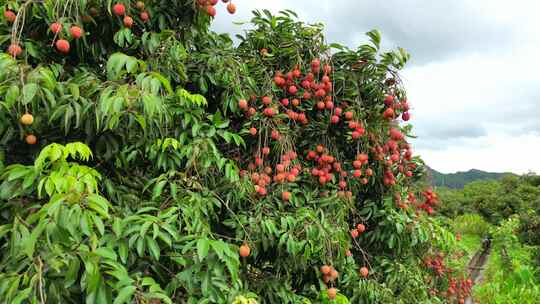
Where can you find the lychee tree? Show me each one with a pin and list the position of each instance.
(146, 159)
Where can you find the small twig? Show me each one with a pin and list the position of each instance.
(40, 283)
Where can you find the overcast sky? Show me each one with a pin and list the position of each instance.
(473, 81)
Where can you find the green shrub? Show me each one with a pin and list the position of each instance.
(471, 224)
(518, 286)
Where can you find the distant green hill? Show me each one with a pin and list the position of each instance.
(460, 179)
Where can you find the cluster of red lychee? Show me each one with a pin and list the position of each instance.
(263, 176)
(360, 228)
(396, 154)
(457, 289)
(394, 107)
(62, 45)
(326, 166)
(119, 10)
(267, 107)
(312, 90)
(430, 201)
(209, 6)
(330, 275)
(75, 31)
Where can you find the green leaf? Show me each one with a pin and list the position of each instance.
(29, 91)
(107, 253)
(22, 295)
(153, 247)
(98, 204)
(203, 245)
(30, 243)
(12, 95)
(124, 295)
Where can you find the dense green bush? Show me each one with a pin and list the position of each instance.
(510, 275)
(471, 224)
(494, 200)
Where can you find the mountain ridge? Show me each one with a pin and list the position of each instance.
(460, 178)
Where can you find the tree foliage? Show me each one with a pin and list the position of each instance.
(134, 181)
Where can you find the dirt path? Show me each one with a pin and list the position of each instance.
(476, 266)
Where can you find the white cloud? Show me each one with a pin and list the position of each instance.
(497, 152)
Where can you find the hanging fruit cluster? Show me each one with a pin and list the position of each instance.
(209, 6)
(430, 201)
(351, 150)
(395, 107)
(67, 29)
(445, 282)
(308, 99)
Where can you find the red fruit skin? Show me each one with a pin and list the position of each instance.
(266, 100)
(269, 112)
(210, 10)
(128, 21)
(286, 196)
(242, 104)
(293, 90)
(332, 293)
(253, 131)
(405, 106)
(354, 233)
(244, 251)
(389, 100)
(76, 32)
(56, 27)
(364, 272)
(10, 16)
(406, 116)
(14, 50)
(320, 93)
(275, 135)
(334, 119)
(145, 16)
(62, 46)
(252, 111)
(231, 8)
(388, 113)
(119, 9)
(327, 69)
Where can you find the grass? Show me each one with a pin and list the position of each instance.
(471, 243)
(510, 282)
(471, 224)
(514, 283)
